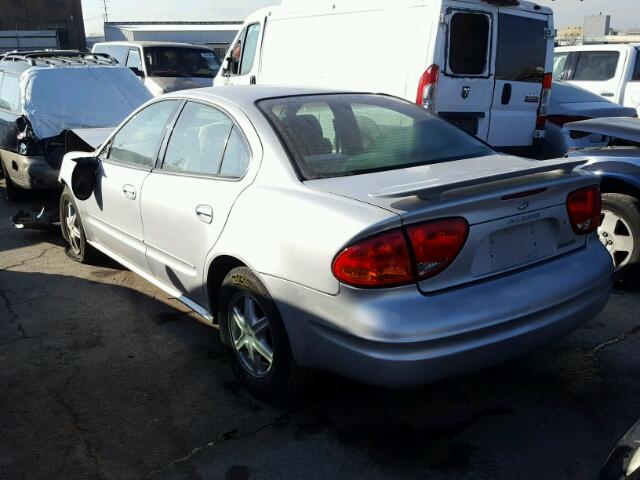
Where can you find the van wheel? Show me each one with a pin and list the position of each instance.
(72, 230)
(620, 232)
(257, 342)
(13, 192)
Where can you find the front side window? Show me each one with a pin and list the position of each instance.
(138, 141)
(198, 141)
(181, 62)
(469, 35)
(10, 91)
(133, 59)
(522, 49)
(250, 47)
(559, 63)
(349, 134)
(596, 66)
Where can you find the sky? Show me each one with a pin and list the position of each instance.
(567, 12)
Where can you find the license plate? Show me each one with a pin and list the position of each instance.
(521, 245)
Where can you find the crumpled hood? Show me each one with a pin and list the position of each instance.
(160, 85)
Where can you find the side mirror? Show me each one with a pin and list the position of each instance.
(137, 71)
(83, 178)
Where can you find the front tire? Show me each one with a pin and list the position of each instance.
(72, 229)
(257, 342)
(620, 233)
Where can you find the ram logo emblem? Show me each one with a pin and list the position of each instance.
(466, 91)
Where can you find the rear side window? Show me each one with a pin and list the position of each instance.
(596, 66)
(522, 49)
(636, 70)
(203, 143)
(349, 134)
(469, 35)
(10, 91)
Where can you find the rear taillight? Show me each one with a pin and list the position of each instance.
(399, 257)
(437, 244)
(547, 83)
(584, 207)
(427, 87)
(561, 120)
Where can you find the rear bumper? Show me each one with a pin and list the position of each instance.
(400, 337)
(30, 172)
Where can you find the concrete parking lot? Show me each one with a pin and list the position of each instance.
(102, 376)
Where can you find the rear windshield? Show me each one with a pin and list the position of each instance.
(469, 35)
(522, 49)
(348, 134)
(181, 62)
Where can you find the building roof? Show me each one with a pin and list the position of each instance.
(175, 27)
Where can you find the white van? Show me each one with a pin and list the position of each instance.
(611, 71)
(480, 64)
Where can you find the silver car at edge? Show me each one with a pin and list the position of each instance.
(354, 233)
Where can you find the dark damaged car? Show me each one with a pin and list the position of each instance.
(52, 102)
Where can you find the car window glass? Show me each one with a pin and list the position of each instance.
(249, 50)
(468, 43)
(133, 59)
(138, 141)
(596, 66)
(349, 134)
(522, 49)
(10, 91)
(236, 156)
(236, 53)
(559, 62)
(198, 140)
(636, 70)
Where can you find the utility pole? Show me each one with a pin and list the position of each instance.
(106, 10)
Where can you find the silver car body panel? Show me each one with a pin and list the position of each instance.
(289, 232)
(622, 128)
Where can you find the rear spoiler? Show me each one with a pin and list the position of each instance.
(435, 188)
(624, 128)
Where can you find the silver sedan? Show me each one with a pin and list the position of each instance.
(347, 232)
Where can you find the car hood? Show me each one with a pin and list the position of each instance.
(623, 128)
(160, 85)
(92, 136)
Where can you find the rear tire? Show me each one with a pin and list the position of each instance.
(251, 327)
(77, 247)
(620, 233)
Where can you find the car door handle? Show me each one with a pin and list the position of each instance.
(606, 94)
(129, 191)
(204, 213)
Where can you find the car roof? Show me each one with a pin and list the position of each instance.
(244, 95)
(153, 44)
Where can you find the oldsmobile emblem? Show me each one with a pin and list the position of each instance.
(466, 91)
(523, 206)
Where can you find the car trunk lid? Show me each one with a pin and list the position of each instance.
(516, 208)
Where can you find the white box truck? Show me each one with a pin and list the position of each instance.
(483, 65)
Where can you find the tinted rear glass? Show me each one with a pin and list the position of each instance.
(181, 62)
(348, 134)
(596, 66)
(522, 49)
(636, 70)
(468, 43)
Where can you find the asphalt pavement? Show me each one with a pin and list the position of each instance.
(103, 376)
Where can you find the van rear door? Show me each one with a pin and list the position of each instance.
(465, 88)
(524, 53)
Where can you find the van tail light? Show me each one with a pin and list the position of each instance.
(561, 120)
(399, 257)
(427, 88)
(541, 121)
(584, 207)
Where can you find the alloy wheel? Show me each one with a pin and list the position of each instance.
(616, 235)
(251, 335)
(72, 223)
